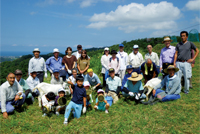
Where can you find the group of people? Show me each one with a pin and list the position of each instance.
(122, 73)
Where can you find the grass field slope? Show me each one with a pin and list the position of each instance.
(181, 116)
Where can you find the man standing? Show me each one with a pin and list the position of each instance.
(153, 56)
(166, 55)
(55, 63)
(124, 61)
(136, 59)
(78, 53)
(37, 64)
(183, 60)
(11, 93)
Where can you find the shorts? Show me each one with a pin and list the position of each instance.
(102, 108)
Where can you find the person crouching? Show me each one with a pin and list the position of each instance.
(60, 107)
(89, 94)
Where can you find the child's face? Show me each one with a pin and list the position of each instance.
(61, 94)
(86, 87)
(74, 73)
(79, 83)
(34, 74)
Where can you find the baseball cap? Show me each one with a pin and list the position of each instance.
(56, 50)
(121, 45)
(111, 70)
(129, 67)
(135, 46)
(100, 91)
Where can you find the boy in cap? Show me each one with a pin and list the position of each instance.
(56, 79)
(101, 106)
(89, 95)
(61, 93)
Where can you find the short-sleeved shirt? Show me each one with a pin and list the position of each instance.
(150, 73)
(83, 63)
(134, 88)
(69, 61)
(78, 94)
(94, 80)
(184, 50)
(113, 83)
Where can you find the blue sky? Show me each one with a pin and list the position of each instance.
(49, 24)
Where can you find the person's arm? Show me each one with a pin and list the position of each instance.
(103, 64)
(107, 88)
(29, 67)
(145, 77)
(119, 64)
(126, 61)
(125, 90)
(66, 66)
(154, 74)
(30, 84)
(105, 101)
(86, 69)
(174, 87)
(157, 60)
(74, 64)
(84, 101)
(175, 58)
(161, 61)
(98, 81)
(71, 83)
(44, 65)
(192, 55)
(19, 93)
(97, 104)
(142, 60)
(191, 60)
(3, 102)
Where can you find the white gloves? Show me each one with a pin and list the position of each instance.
(45, 75)
(94, 88)
(84, 110)
(63, 68)
(131, 93)
(50, 71)
(137, 96)
(69, 71)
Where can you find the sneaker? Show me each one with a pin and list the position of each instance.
(186, 93)
(44, 115)
(106, 111)
(57, 113)
(65, 123)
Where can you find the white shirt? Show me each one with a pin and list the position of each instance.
(124, 60)
(72, 79)
(8, 92)
(32, 83)
(104, 63)
(135, 60)
(37, 64)
(153, 56)
(47, 103)
(55, 81)
(115, 64)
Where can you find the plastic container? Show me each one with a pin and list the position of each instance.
(109, 100)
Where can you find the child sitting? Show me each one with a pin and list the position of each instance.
(89, 95)
(102, 106)
(72, 78)
(48, 101)
(59, 108)
(78, 99)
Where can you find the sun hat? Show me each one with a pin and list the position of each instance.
(18, 72)
(55, 70)
(121, 45)
(36, 50)
(135, 77)
(135, 46)
(86, 84)
(56, 50)
(89, 70)
(111, 70)
(106, 49)
(129, 67)
(100, 91)
(61, 89)
(170, 67)
(113, 52)
(166, 39)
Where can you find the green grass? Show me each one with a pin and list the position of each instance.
(181, 116)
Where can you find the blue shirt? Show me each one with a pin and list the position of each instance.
(134, 88)
(113, 83)
(94, 80)
(125, 80)
(78, 94)
(53, 64)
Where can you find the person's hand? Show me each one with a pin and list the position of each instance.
(160, 69)
(190, 60)
(131, 93)
(105, 94)
(94, 88)
(69, 71)
(71, 91)
(192, 65)
(5, 115)
(174, 64)
(84, 110)
(154, 92)
(63, 68)
(50, 71)
(17, 98)
(45, 75)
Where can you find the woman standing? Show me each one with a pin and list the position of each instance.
(104, 62)
(83, 63)
(69, 61)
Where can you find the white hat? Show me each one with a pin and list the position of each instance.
(100, 90)
(36, 50)
(86, 83)
(55, 50)
(135, 46)
(106, 49)
(61, 89)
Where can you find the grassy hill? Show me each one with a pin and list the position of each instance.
(181, 116)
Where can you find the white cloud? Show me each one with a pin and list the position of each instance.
(193, 5)
(136, 16)
(87, 3)
(14, 45)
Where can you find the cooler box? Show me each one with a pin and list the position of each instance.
(109, 100)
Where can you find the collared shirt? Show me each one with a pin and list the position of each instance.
(32, 83)
(153, 56)
(55, 81)
(167, 55)
(23, 84)
(124, 59)
(105, 63)
(115, 63)
(37, 64)
(134, 88)
(114, 83)
(8, 92)
(53, 64)
(47, 103)
(135, 60)
(94, 80)
(125, 80)
(173, 85)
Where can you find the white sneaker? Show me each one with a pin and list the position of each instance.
(65, 123)
(57, 113)
(44, 115)
(106, 111)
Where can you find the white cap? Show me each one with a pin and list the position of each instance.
(61, 89)
(86, 83)
(106, 49)
(100, 90)
(55, 50)
(135, 46)
(36, 50)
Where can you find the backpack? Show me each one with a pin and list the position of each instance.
(117, 59)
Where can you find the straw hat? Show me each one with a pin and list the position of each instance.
(171, 67)
(166, 39)
(135, 77)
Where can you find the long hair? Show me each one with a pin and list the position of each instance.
(67, 50)
(105, 53)
(84, 52)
